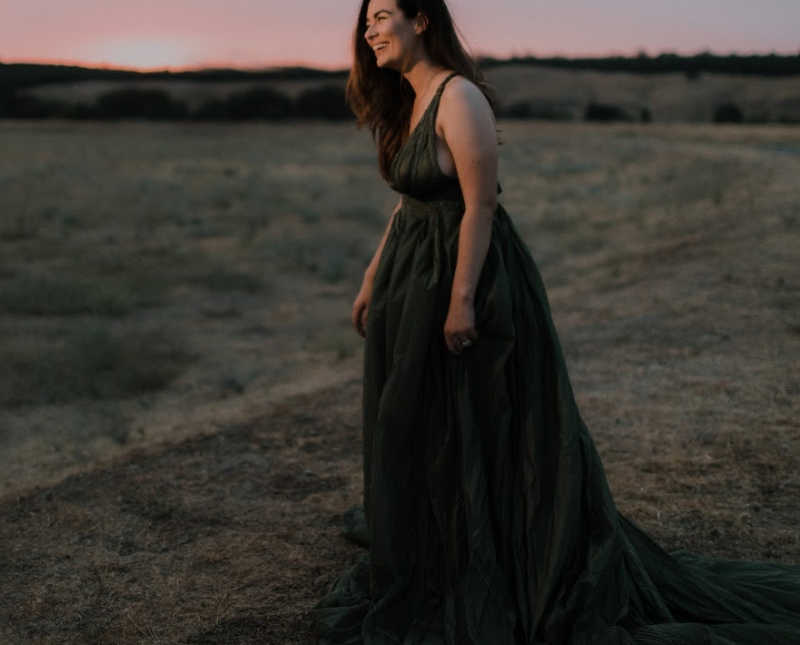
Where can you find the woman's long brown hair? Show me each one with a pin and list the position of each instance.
(382, 99)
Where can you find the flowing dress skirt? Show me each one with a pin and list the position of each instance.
(489, 516)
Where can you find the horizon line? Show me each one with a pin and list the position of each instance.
(288, 64)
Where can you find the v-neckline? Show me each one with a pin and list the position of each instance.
(427, 109)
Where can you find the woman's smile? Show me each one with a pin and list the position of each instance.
(384, 19)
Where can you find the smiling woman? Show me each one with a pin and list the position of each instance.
(385, 41)
(488, 516)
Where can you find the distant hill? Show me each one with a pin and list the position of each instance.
(704, 62)
(667, 87)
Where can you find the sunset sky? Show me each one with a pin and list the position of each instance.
(257, 33)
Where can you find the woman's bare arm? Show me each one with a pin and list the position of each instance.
(468, 127)
(373, 265)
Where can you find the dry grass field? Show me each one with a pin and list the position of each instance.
(180, 390)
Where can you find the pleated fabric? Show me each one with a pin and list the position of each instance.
(489, 517)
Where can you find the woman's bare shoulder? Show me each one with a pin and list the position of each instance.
(463, 103)
(461, 86)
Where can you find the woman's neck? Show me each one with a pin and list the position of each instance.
(420, 75)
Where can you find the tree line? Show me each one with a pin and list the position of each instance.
(665, 63)
(257, 103)
(21, 75)
(268, 104)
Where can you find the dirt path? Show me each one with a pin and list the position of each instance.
(219, 539)
(231, 538)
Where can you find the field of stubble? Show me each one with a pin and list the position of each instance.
(180, 391)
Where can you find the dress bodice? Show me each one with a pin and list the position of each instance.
(415, 169)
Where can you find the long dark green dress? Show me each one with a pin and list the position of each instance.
(489, 518)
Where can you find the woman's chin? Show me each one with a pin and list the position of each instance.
(382, 61)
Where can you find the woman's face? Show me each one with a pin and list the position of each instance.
(392, 37)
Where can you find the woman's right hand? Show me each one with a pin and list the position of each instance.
(361, 306)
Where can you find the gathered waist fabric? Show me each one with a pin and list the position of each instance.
(441, 201)
(449, 206)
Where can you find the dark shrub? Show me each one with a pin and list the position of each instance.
(758, 117)
(258, 103)
(535, 110)
(728, 113)
(326, 102)
(212, 110)
(645, 116)
(605, 112)
(27, 106)
(788, 110)
(81, 111)
(133, 102)
(518, 110)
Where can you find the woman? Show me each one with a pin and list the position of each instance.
(488, 515)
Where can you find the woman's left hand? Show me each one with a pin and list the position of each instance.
(460, 325)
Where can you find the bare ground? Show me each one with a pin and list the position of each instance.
(670, 256)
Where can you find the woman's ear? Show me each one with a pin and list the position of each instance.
(420, 23)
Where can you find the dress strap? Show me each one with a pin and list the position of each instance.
(438, 94)
(433, 106)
